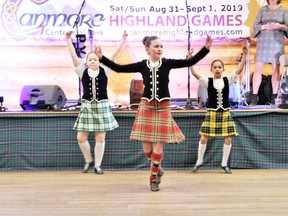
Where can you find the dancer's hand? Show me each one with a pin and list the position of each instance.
(190, 53)
(98, 52)
(68, 34)
(244, 50)
(208, 42)
(125, 35)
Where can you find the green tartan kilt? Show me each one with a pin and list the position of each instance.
(218, 124)
(95, 117)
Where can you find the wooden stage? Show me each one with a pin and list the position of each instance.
(127, 193)
(41, 169)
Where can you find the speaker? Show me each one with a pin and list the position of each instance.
(136, 91)
(234, 95)
(42, 97)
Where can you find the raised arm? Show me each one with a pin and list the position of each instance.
(208, 42)
(243, 60)
(128, 68)
(194, 73)
(179, 63)
(125, 35)
(76, 61)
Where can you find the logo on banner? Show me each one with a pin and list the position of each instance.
(9, 19)
(45, 23)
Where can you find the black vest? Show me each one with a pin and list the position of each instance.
(214, 101)
(156, 82)
(100, 83)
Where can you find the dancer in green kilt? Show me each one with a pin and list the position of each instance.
(95, 112)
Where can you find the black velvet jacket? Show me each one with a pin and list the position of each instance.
(156, 79)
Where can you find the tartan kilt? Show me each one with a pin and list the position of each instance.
(154, 123)
(218, 124)
(95, 117)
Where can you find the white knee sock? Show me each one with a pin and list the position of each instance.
(99, 152)
(201, 152)
(85, 149)
(226, 153)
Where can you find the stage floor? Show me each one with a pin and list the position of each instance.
(127, 193)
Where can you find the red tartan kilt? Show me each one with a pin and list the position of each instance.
(154, 123)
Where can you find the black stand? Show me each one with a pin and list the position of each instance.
(189, 104)
(77, 47)
(245, 92)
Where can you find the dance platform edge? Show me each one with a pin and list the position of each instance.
(45, 141)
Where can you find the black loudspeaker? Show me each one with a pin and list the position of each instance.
(42, 97)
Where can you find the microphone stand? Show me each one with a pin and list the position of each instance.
(189, 104)
(246, 92)
(77, 46)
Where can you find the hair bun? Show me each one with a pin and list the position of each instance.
(144, 40)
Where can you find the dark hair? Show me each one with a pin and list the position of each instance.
(147, 40)
(216, 61)
(278, 2)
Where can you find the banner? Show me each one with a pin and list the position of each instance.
(48, 20)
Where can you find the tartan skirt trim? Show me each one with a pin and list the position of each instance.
(95, 117)
(218, 124)
(154, 123)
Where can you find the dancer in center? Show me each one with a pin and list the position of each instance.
(154, 125)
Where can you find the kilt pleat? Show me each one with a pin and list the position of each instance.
(95, 117)
(218, 124)
(154, 123)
